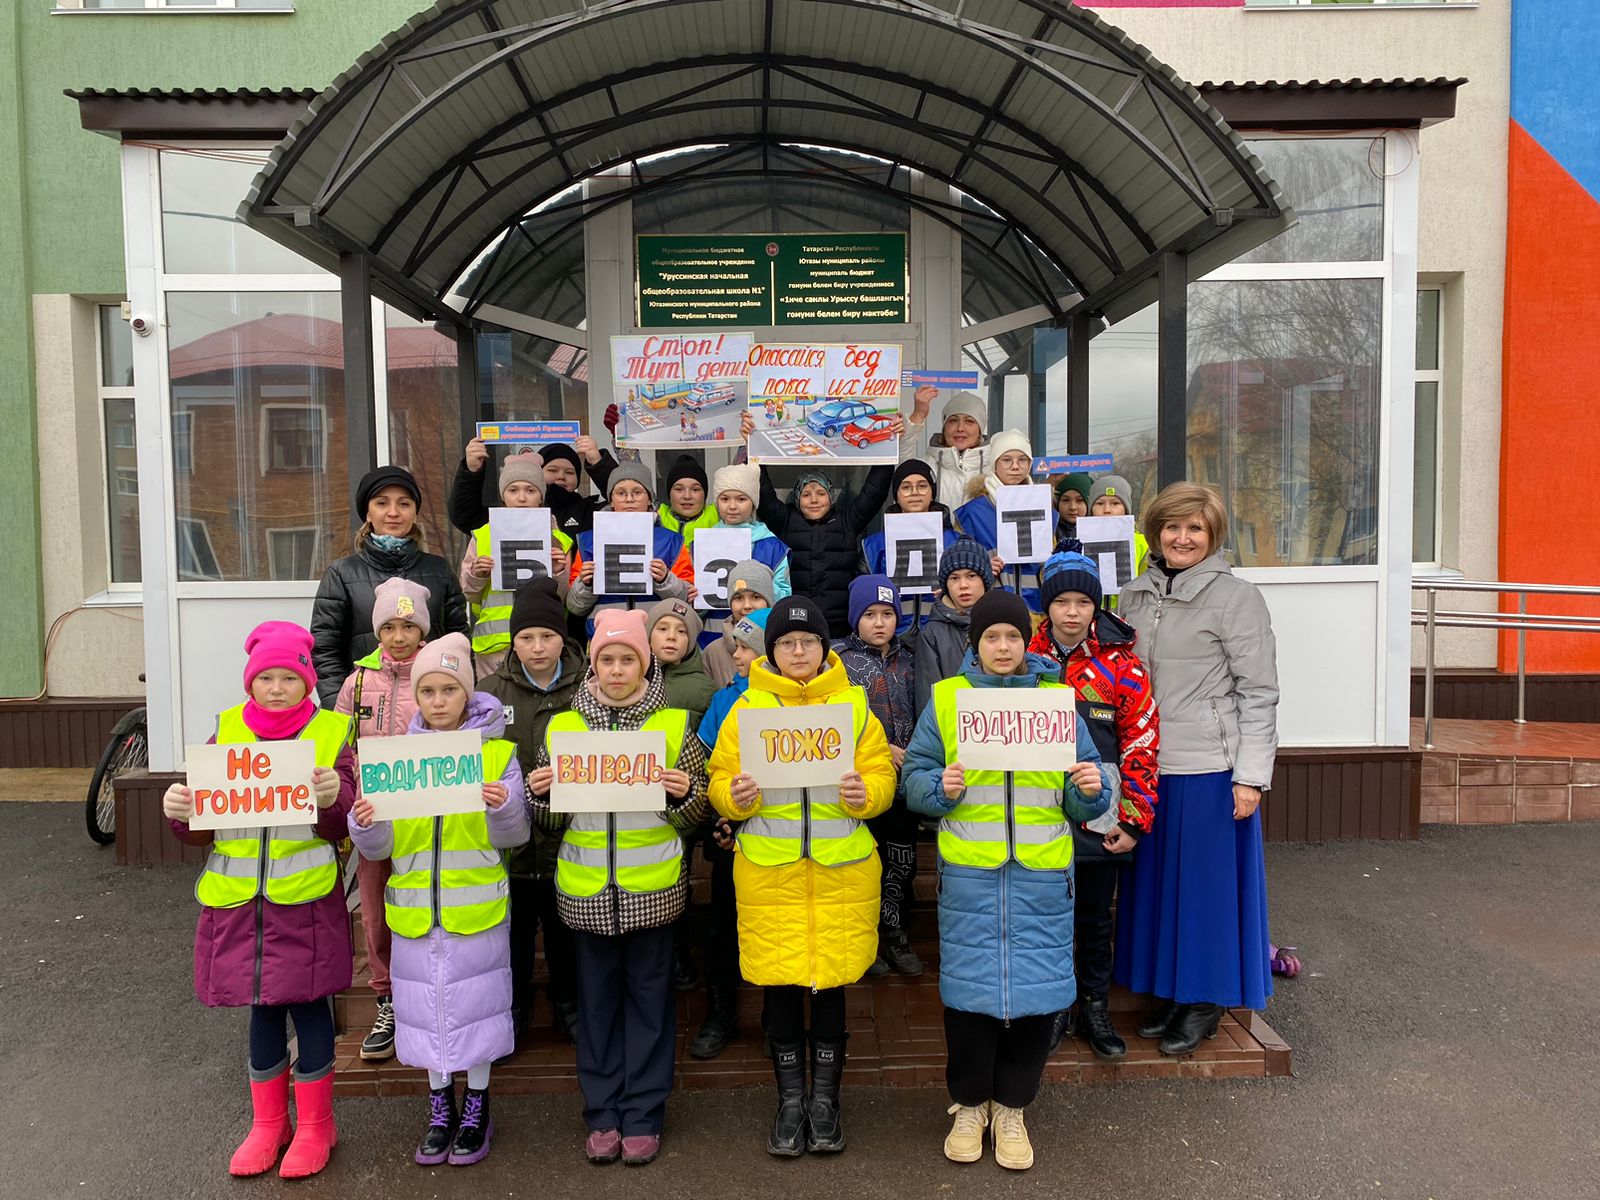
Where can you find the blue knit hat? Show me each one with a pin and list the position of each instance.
(964, 554)
(1069, 571)
(750, 630)
(867, 590)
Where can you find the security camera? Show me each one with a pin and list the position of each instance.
(143, 326)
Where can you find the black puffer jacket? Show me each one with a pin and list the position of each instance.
(341, 615)
(823, 554)
(573, 514)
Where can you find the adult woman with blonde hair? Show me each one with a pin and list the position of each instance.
(388, 546)
(1193, 920)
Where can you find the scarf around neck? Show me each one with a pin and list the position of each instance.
(278, 725)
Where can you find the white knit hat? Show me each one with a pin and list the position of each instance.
(737, 477)
(1008, 440)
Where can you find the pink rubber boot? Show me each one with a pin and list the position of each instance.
(270, 1130)
(314, 1134)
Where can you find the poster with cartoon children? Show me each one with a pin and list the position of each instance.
(825, 403)
(679, 390)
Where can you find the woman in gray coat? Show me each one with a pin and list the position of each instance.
(1193, 920)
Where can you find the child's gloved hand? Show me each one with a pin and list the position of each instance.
(178, 803)
(722, 833)
(324, 785)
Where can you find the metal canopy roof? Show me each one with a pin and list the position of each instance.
(1093, 157)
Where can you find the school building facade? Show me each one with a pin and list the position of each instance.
(1370, 389)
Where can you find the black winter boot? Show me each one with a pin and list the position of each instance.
(1155, 1025)
(788, 1136)
(1064, 1025)
(824, 1122)
(721, 1023)
(434, 1147)
(894, 947)
(1094, 1022)
(1191, 1025)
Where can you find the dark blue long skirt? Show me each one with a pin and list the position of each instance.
(1192, 914)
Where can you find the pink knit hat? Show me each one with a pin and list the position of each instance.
(620, 627)
(279, 644)
(450, 655)
(400, 599)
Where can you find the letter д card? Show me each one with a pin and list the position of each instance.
(810, 745)
(608, 770)
(432, 775)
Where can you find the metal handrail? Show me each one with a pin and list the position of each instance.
(1521, 621)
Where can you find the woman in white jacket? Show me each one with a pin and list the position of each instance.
(1192, 925)
(959, 452)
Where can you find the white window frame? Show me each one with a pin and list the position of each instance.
(195, 524)
(1435, 377)
(103, 393)
(264, 447)
(272, 557)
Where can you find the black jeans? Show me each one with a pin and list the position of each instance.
(533, 907)
(627, 1026)
(1091, 919)
(786, 1014)
(722, 937)
(896, 834)
(269, 1037)
(988, 1059)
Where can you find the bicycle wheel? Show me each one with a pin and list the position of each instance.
(127, 749)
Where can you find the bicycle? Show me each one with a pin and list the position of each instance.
(127, 750)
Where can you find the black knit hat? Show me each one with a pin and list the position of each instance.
(375, 481)
(911, 466)
(964, 554)
(557, 450)
(796, 614)
(536, 605)
(684, 467)
(999, 607)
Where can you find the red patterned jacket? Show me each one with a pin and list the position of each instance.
(1105, 670)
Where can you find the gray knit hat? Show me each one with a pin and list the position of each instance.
(1112, 485)
(634, 471)
(750, 575)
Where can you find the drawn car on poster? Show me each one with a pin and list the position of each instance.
(864, 431)
(831, 418)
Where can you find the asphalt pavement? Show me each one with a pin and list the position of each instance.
(1443, 1040)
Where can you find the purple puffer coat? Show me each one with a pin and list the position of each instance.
(265, 953)
(452, 991)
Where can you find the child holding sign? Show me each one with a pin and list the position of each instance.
(1118, 705)
(879, 663)
(620, 883)
(750, 587)
(912, 489)
(737, 489)
(1005, 888)
(631, 489)
(1112, 496)
(521, 486)
(806, 873)
(378, 695)
(979, 519)
(674, 631)
(274, 932)
(447, 905)
(685, 511)
(965, 575)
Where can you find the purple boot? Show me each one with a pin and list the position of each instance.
(475, 1130)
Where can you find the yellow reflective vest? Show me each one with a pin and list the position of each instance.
(491, 620)
(445, 871)
(290, 864)
(638, 851)
(1002, 815)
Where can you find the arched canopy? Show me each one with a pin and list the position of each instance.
(1087, 157)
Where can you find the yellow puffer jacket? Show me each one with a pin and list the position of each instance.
(803, 923)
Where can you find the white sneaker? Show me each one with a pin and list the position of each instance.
(964, 1142)
(1012, 1149)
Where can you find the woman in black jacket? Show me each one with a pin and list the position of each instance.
(388, 544)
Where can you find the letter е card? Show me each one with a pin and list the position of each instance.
(608, 770)
(811, 745)
(252, 785)
(428, 776)
(1017, 729)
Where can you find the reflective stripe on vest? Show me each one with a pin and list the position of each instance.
(290, 862)
(1003, 814)
(796, 823)
(491, 620)
(445, 871)
(638, 851)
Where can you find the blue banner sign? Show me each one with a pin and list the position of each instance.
(541, 432)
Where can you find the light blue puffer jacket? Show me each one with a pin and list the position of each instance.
(1005, 935)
